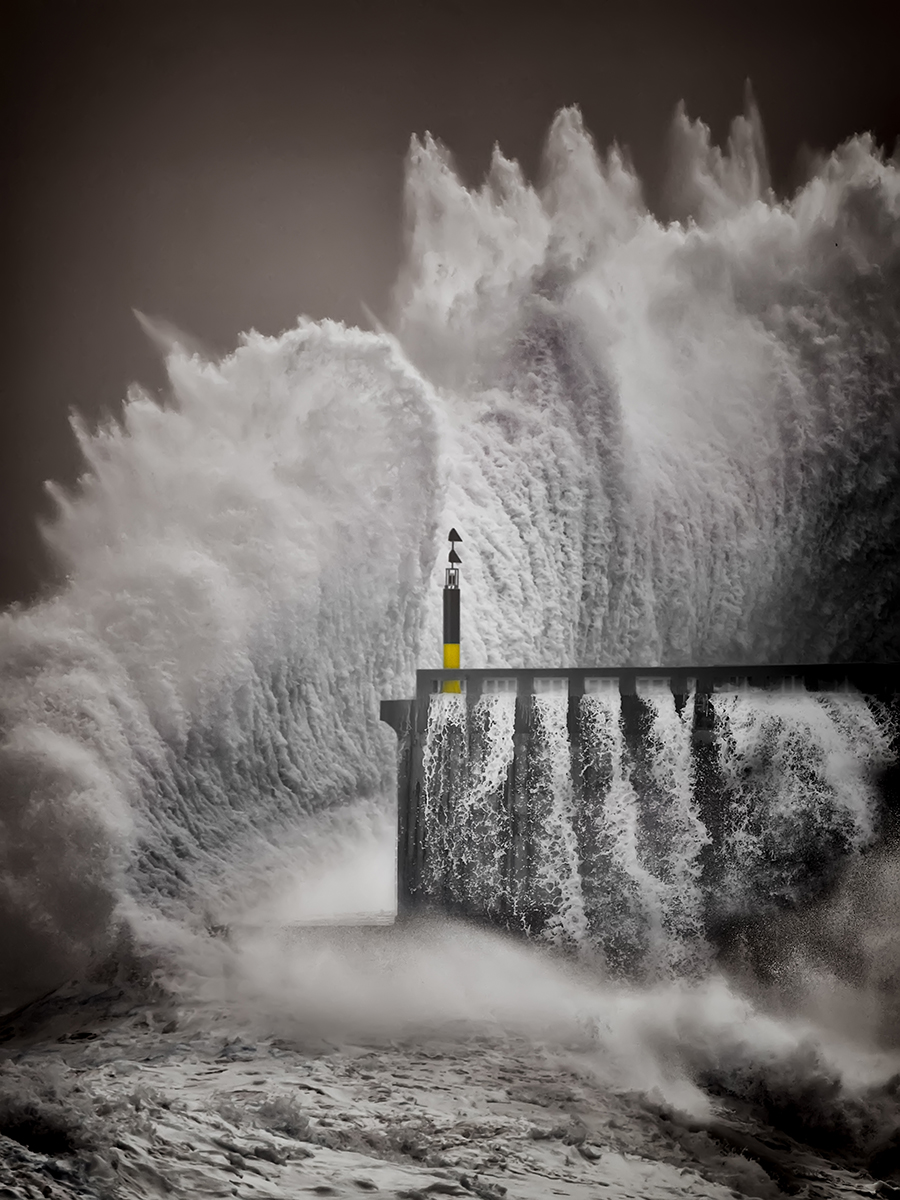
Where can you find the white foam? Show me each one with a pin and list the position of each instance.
(661, 442)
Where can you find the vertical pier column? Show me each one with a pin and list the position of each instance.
(518, 853)
(402, 718)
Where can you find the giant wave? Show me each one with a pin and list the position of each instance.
(664, 441)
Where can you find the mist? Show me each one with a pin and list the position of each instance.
(665, 441)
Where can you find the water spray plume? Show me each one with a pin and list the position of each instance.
(169, 339)
(677, 442)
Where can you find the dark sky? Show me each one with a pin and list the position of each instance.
(232, 164)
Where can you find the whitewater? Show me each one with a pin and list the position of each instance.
(665, 442)
(666, 439)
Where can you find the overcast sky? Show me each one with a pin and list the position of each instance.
(232, 164)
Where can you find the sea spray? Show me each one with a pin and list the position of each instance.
(677, 443)
(553, 882)
(672, 835)
(621, 835)
(622, 895)
(245, 563)
(663, 443)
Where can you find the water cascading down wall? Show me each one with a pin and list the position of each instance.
(628, 812)
(673, 437)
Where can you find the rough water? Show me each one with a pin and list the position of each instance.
(600, 825)
(663, 441)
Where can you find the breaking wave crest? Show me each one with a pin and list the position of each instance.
(245, 569)
(676, 442)
(662, 441)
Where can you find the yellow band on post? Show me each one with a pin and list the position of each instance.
(451, 661)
